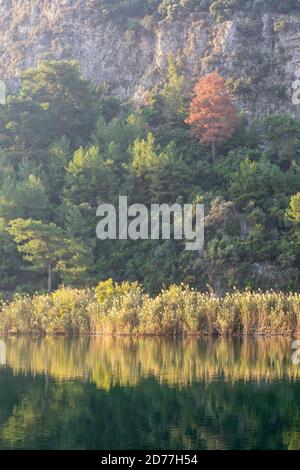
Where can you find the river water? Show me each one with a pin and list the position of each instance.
(149, 393)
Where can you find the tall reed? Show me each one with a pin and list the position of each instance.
(125, 309)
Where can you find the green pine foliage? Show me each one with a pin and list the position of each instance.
(66, 146)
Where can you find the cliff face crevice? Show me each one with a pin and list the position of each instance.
(259, 55)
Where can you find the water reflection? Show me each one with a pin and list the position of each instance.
(122, 393)
(125, 361)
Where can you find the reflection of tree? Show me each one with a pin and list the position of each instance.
(215, 416)
(125, 361)
(177, 397)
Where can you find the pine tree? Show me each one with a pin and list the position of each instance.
(42, 245)
(213, 116)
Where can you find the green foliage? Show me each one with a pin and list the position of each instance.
(10, 259)
(53, 101)
(89, 178)
(158, 176)
(42, 245)
(174, 94)
(46, 249)
(26, 197)
(67, 146)
(293, 212)
(282, 138)
(115, 137)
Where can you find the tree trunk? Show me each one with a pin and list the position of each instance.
(213, 149)
(49, 277)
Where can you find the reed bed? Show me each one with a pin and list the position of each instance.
(125, 309)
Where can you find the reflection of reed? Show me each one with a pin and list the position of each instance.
(125, 361)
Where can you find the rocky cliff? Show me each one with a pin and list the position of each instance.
(258, 54)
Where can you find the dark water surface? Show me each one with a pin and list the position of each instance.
(112, 393)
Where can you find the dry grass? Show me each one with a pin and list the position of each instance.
(124, 309)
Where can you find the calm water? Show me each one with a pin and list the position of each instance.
(148, 394)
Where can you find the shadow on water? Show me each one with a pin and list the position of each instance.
(151, 393)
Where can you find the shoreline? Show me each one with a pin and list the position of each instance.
(149, 335)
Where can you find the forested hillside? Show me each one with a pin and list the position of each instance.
(67, 146)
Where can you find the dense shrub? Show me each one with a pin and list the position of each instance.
(63, 312)
(116, 308)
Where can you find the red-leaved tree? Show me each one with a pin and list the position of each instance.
(213, 115)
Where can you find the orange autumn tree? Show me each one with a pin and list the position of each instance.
(213, 115)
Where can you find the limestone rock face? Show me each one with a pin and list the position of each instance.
(258, 55)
